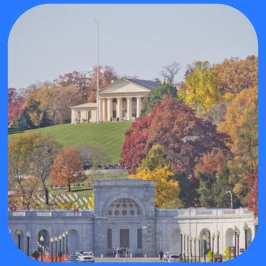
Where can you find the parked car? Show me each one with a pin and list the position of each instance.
(86, 257)
(173, 258)
(78, 252)
(166, 255)
(72, 258)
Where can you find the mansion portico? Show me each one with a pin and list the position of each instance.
(121, 100)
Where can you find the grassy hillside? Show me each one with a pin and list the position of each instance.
(108, 136)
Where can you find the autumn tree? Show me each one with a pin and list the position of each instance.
(67, 168)
(155, 97)
(167, 190)
(253, 192)
(241, 124)
(237, 74)
(41, 157)
(201, 87)
(16, 99)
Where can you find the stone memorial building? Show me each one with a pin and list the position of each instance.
(125, 215)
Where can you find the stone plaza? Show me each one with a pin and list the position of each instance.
(125, 215)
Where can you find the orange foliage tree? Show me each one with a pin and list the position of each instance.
(67, 168)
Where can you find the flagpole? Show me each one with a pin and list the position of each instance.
(98, 81)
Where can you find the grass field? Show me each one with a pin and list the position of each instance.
(108, 136)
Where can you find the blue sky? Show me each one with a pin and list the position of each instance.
(50, 40)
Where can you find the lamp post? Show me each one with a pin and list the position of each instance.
(41, 242)
(204, 247)
(235, 241)
(190, 241)
(67, 242)
(63, 237)
(188, 248)
(213, 237)
(60, 242)
(237, 235)
(181, 235)
(19, 233)
(185, 247)
(98, 78)
(231, 198)
(218, 237)
(195, 242)
(52, 249)
(56, 240)
(199, 247)
(256, 222)
(246, 235)
(28, 244)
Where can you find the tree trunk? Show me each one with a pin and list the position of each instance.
(46, 196)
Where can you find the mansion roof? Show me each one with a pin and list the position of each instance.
(85, 105)
(148, 84)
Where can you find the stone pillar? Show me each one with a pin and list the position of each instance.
(119, 108)
(129, 108)
(109, 108)
(138, 106)
(103, 110)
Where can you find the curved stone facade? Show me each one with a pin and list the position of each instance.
(125, 216)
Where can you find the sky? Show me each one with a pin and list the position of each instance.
(136, 40)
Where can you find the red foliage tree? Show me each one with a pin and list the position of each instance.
(253, 192)
(176, 128)
(67, 167)
(15, 104)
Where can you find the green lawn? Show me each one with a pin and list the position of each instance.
(108, 136)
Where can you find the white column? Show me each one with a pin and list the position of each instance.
(109, 106)
(119, 108)
(103, 110)
(129, 108)
(138, 106)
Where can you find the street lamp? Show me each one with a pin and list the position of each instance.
(231, 197)
(184, 247)
(199, 247)
(190, 240)
(67, 242)
(41, 241)
(213, 237)
(256, 222)
(60, 242)
(98, 78)
(246, 235)
(52, 250)
(56, 240)
(237, 234)
(204, 247)
(63, 236)
(218, 236)
(181, 242)
(19, 233)
(195, 242)
(28, 244)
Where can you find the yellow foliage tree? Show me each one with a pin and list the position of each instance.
(91, 202)
(167, 190)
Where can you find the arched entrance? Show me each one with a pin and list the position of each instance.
(229, 238)
(46, 240)
(124, 226)
(205, 233)
(73, 241)
(175, 241)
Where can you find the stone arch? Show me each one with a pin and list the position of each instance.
(46, 242)
(73, 241)
(229, 238)
(207, 233)
(249, 236)
(113, 199)
(175, 241)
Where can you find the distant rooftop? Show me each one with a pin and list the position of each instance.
(148, 84)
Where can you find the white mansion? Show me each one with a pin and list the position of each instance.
(121, 100)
